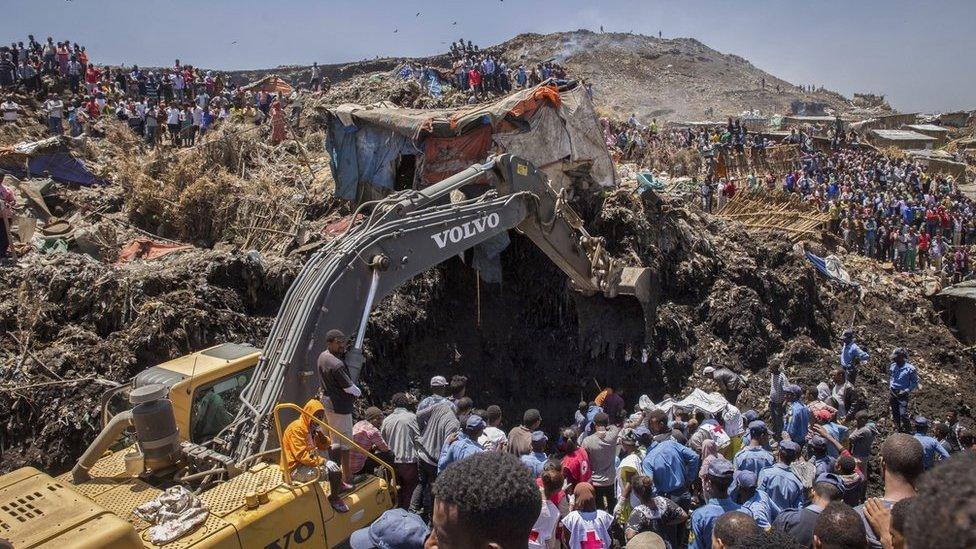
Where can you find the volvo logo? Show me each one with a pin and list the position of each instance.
(466, 230)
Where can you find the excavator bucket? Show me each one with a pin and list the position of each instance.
(636, 281)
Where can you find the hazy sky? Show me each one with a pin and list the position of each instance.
(918, 53)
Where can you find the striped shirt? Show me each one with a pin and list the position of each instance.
(400, 430)
(368, 436)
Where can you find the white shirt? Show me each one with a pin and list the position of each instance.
(544, 528)
(172, 115)
(197, 116)
(583, 525)
(55, 108)
(492, 439)
(733, 421)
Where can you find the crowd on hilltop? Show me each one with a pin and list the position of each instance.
(624, 471)
(175, 105)
(886, 208)
(891, 209)
(481, 74)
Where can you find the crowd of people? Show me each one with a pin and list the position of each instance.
(794, 475)
(480, 74)
(175, 106)
(890, 209)
(886, 208)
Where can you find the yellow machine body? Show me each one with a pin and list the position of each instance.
(259, 509)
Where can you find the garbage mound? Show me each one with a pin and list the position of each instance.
(74, 324)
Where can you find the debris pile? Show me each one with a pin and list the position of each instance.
(69, 317)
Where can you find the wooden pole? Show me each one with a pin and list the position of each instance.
(10, 238)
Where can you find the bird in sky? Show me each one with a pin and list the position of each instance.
(454, 23)
(396, 31)
(418, 14)
(234, 42)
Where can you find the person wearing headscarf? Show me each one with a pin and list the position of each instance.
(277, 123)
(586, 522)
(709, 452)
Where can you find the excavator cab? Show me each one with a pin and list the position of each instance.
(165, 438)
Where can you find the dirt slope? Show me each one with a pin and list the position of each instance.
(671, 79)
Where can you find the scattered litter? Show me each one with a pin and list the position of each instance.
(146, 249)
(173, 514)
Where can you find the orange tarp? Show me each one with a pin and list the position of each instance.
(446, 156)
(549, 94)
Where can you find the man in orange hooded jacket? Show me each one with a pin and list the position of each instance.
(301, 445)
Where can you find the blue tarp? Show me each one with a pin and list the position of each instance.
(368, 154)
(62, 167)
(340, 141)
(378, 151)
(831, 267)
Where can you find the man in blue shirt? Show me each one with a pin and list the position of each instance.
(755, 457)
(780, 483)
(796, 422)
(799, 523)
(904, 380)
(823, 462)
(932, 451)
(465, 445)
(718, 477)
(839, 433)
(672, 465)
(438, 390)
(536, 459)
(851, 355)
(745, 493)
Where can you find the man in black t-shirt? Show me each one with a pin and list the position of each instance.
(338, 395)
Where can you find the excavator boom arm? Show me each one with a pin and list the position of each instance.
(404, 235)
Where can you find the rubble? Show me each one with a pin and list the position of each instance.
(82, 318)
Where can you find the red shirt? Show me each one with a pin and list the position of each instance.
(576, 467)
(92, 75)
(730, 190)
(474, 77)
(923, 242)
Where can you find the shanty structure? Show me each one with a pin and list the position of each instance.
(956, 119)
(886, 122)
(901, 139)
(771, 212)
(939, 162)
(269, 84)
(382, 148)
(940, 133)
(958, 305)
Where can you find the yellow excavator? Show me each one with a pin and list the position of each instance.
(210, 421)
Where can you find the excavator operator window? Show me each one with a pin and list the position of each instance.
(216, 404)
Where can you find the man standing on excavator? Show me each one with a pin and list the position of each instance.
(338, 395)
